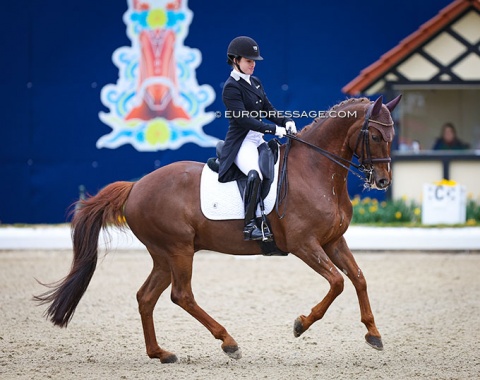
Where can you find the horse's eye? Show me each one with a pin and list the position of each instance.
(376, 138)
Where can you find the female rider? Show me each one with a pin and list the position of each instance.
(246, 103)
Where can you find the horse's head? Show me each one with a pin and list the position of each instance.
(373, 143)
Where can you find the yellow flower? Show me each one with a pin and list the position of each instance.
(471, 222)
(398, 215)
(361, 211)
(366, 200)
(383, 204)
(416, 211)
(356, 200)
(373, 209)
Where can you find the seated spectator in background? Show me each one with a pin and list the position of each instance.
(449, 139)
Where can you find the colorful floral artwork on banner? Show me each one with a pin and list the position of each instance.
(157, 103)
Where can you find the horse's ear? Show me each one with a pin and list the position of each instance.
(393, 103)
(377, 106)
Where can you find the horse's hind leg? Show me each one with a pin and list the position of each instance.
(343, 258)
(158, 280)
(182, 295)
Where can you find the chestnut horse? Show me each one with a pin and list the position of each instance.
(163, 211)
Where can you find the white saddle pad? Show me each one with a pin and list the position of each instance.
(222, 201)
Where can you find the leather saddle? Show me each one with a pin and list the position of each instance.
(267, 158)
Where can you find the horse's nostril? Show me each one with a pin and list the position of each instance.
(383, 183)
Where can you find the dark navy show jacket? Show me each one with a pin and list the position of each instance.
(240, 96)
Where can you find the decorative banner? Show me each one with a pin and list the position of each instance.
(157, 103)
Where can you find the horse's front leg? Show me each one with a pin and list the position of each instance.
(343, 258)
(315, 257)
(182, 295)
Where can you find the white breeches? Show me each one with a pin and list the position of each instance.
(247, 157)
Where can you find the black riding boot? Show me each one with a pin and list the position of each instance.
(250, 201)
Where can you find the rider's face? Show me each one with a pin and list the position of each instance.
(247, 65)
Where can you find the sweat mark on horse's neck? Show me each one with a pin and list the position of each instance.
(344, 178)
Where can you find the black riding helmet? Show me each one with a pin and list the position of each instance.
(243, 47)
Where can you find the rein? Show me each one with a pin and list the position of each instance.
(331, 156)
(365, 159)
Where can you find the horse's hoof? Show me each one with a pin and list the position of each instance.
(374, 341)
(172, 358)
(233, 352)
(298, 327)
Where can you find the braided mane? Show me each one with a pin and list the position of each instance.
(319, 120)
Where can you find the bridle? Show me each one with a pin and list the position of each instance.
(365, 160)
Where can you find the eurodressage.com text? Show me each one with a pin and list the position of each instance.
(289, 114)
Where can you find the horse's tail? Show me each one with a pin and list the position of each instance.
(91, 215)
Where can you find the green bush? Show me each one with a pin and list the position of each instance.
(400, 212)
(473, 212)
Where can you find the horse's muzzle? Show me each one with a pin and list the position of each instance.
(380, 179)
(382, 183)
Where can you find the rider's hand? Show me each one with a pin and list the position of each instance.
(291, 127)
(280, 131)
